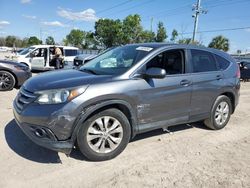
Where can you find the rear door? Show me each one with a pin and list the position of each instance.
(207, 83)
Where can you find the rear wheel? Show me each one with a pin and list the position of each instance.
(7, 81)
(104, 135)
(220, 113)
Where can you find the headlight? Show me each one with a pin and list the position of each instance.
(59, 96)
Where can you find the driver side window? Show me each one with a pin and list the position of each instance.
(172, 61)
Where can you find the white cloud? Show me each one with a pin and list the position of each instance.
(25, 1)
(4, 23)
(54, 23)
(86, 15)
(29, 17)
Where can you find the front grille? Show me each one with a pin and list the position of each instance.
(24, 97)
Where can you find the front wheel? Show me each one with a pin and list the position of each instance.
(220, 113)
(104, 135)
(7, 81)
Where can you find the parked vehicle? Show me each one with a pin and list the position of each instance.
(40, 57)
(244, 70)
(126, 91)
(80, 59)
(12, 74)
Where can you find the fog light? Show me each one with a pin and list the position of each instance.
(41, 133)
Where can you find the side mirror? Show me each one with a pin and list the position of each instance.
(155, 73)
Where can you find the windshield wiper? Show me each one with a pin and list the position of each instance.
(88, 71)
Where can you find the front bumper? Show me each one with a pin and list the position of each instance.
(22, 76)
(43, 136)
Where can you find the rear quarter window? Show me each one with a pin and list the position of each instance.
(71, 52)
(222, 62)
(203, 61)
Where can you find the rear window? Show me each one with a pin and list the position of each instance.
(222, 62)
(203, 61)
(70, 52)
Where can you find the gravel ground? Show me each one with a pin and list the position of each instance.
(192, 156)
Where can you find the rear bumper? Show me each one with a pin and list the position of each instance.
(43, 136)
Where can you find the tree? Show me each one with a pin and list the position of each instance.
(10, 41)
(147, 36)
(75, 37)
(174, 35)
(131, 29)
(161, 34)
(50, 40)
(108, 32)
(185, 41)
(220, 42)
(34, 41)
(2, 41)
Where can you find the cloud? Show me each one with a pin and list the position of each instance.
(86, 15)
(29, 17)
(25, 1)
(4, 23)
(54, 23)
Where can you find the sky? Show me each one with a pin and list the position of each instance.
(43, 18)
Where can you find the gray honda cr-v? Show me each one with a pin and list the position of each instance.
(126, 91)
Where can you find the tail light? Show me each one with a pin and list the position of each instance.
(238, 71)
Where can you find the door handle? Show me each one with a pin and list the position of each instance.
(185, 83)
(219, 77)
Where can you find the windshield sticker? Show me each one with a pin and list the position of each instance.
(147, 49)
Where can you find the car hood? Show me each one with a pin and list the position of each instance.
(10, 62)
(63, 79)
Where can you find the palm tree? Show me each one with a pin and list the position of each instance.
(220, 42)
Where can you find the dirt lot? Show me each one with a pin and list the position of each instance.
(192, 156)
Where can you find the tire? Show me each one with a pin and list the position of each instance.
(220, 113)
(104, 135)
(7, 81)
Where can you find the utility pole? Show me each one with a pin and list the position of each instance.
(197, 11)
(151, 24)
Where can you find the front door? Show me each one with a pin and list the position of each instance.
(166, 100)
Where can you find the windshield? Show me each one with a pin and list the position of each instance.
(26, 50)
(116, 61)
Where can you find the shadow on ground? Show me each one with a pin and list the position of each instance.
(24, 147)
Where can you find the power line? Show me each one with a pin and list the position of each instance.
(218, 30)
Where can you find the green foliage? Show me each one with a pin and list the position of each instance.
(34, 41)
(108, 32)
(131, 29)
(220, 42)
(147, 36)
(174, 35)
(50, 40)
(10, 41)
(75, 37)
(161, 34)
(185, 41)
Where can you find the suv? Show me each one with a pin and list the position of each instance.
(126, 91)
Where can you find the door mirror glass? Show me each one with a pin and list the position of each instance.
(154, 72)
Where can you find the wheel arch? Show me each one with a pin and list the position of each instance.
(121, 105)
(231, 96)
